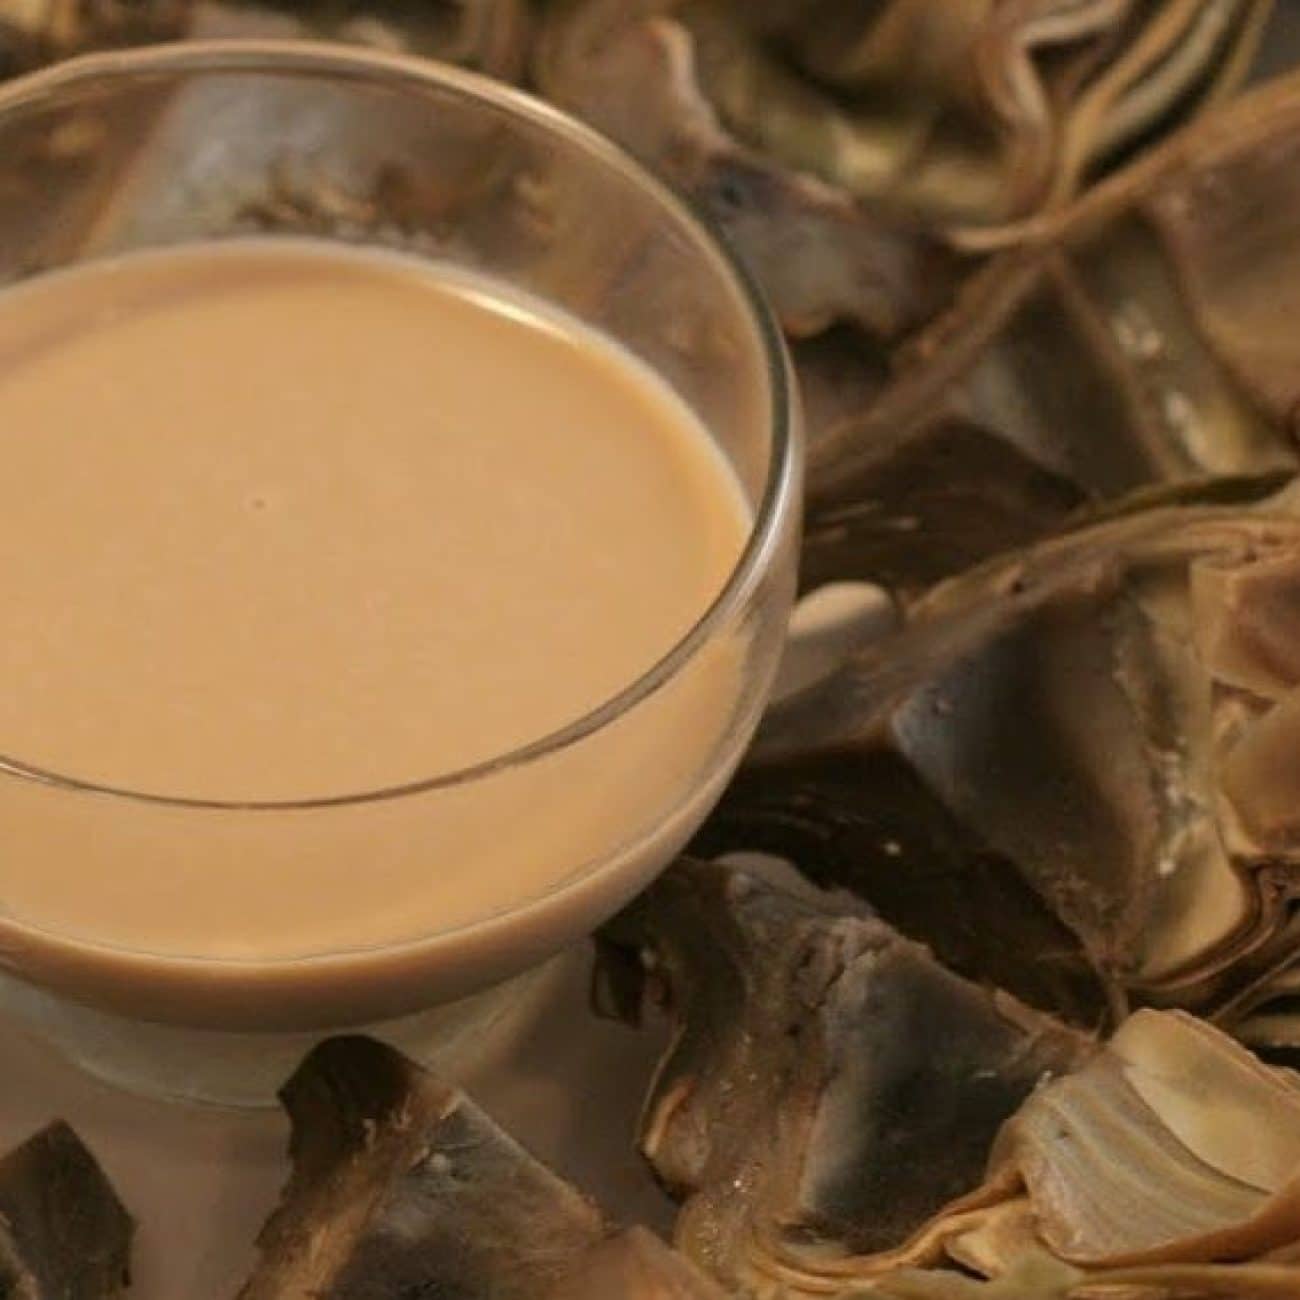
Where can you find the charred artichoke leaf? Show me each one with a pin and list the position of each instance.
(1105, 722)
(1143, 341)
(491, 35)
(64, 1235)
(401, 1186)
(831, 1087)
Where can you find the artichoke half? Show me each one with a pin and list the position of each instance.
(843, 1117)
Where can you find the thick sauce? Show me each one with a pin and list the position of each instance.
(281, 521)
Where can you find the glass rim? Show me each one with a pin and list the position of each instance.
(779, 495)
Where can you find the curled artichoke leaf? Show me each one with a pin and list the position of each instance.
(977, 111)
(973, 113)
(1078, 745)
(1142, 342)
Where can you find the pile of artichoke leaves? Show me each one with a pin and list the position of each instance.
(1004, 1010)
(1059, 434)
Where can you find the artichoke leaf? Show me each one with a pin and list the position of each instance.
(64, 1234)
(402, 1186)
(631, 68)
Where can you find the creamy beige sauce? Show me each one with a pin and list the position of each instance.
(280, 521)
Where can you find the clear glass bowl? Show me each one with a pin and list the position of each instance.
(212, 140)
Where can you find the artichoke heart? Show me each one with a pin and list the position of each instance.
(1166, 1167)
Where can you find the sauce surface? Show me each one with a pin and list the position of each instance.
(280, 521)
(283, 521)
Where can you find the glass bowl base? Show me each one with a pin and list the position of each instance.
(246, 1070)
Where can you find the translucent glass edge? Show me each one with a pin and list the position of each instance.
(782, 488)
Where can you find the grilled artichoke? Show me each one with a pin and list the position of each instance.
(1165, 1168)
(844, 1118)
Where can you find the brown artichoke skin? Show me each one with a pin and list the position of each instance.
(64, 1235)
